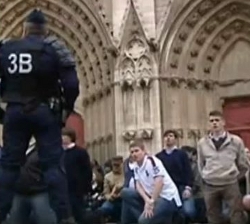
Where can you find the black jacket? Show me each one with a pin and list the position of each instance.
(78, 170)
(31, 179)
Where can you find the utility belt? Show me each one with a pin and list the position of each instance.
(55, 104)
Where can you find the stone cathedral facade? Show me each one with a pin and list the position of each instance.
(147, 65)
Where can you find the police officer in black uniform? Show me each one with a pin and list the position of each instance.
(36, 72)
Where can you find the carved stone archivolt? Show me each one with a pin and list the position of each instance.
(204, 33)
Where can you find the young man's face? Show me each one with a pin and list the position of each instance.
(116, 167)
(137, 153)
(170, 140)
(66, 141)
(217, 123)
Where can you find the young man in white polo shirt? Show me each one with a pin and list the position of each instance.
(156, 197)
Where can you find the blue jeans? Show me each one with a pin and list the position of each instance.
(112, 209)
(188, 206)
(31, 209)
(133, 206)
(19, 127)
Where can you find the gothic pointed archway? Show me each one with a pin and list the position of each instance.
(198, 62)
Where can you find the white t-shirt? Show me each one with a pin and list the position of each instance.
(132, 180)
(146, 173)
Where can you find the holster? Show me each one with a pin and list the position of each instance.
(57, 106)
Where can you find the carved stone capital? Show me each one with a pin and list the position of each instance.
(143, 82)
(100, 95)
(145, 134)
(114, 51)
(92, 98)
(127, 84)
(192, 83)
(194, 133)
(129, 135)
(209, 84)
(174, 82)
(153, 45)
(108, 137)
(180, 132)
(85, 102)
(100, 139)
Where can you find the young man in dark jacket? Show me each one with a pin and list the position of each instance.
(177, 164)
(79, 173)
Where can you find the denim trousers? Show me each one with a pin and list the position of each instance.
(112, 209)
(33, 209)
(133, 206)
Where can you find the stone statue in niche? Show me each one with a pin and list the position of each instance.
(145, 76)
(128, 98)
(144, 72)
(127, 74)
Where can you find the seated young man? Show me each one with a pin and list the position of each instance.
(155, 199)
(113, 183)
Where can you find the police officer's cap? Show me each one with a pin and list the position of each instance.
(36, 17)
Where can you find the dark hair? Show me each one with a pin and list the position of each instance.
(216, 113)
(167, 132)
(137, 143)
(189, 149)
(70, 133)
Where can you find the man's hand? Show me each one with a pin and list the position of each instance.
(186, 194)
(110, 197)
(149, 209)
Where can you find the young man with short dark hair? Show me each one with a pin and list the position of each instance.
(156, 197)
(79, 172)
(222, 162)
(177, 164)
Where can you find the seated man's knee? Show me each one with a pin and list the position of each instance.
(107, 207)
(128, 193)
(143, 220)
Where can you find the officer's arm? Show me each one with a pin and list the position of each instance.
(70, 85)
(67, 73)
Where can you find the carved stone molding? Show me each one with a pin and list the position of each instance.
(194, 134)
(145, 134)
(129, 135)
(190, 83)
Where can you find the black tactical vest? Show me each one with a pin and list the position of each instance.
(29, 71)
